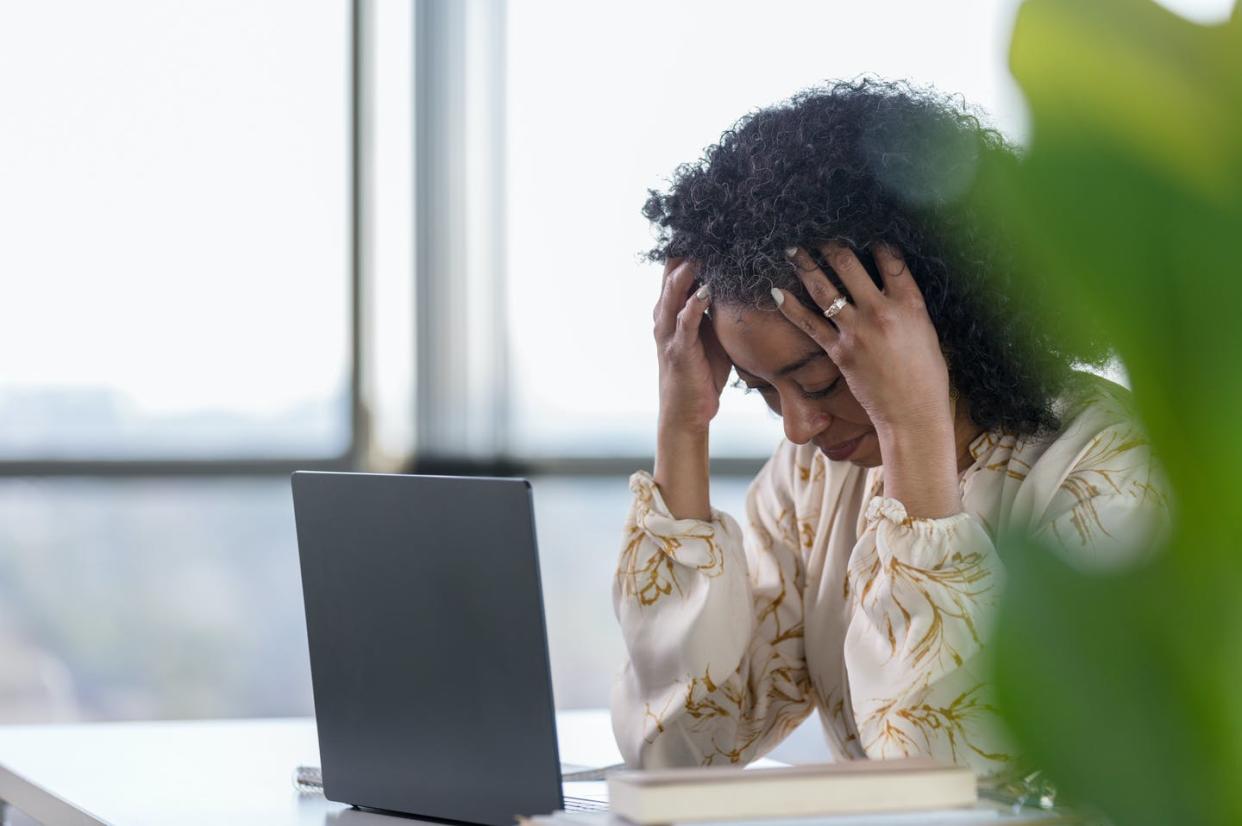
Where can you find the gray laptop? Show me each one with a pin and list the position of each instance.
(428, 649)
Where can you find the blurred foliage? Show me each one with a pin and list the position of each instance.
(1127, 209)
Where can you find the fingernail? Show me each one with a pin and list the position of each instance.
(703, 293)
(778, 296)
(790, 252)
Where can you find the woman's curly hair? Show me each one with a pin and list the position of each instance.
(867, 161)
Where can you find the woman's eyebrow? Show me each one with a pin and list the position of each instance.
(792, 367)
(795, 366)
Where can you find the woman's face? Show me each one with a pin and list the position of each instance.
(798, 382)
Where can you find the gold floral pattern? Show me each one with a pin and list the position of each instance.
(917, 727)
(648, 566)
(951, 591)
(1102, 470)
(653, 723)
(717, 622)
(653, 578)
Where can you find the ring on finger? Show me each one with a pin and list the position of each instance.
(836, 306)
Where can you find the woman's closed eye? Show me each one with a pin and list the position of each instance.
(808, 393)
(823, 392)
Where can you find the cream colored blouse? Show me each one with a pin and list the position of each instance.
(833, 598)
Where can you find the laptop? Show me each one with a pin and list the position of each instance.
(428, 648)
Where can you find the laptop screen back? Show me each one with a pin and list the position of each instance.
(428, 648)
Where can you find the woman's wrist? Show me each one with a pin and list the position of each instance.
(682, 470)
(920, 468)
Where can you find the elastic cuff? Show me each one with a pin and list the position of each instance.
(659, 519)
(692, 543)
(894, 512)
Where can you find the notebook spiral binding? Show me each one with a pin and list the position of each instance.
(308, 780)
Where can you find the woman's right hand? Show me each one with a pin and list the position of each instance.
(693, 372)
(693, 366)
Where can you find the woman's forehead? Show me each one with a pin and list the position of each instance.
(762, 342)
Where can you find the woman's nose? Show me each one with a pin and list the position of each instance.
(802, 420)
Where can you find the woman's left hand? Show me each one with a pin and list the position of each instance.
(883, 342)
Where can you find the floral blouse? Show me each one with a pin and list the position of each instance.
(834, 599)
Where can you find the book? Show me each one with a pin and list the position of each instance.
(853, 787)
(983, 813)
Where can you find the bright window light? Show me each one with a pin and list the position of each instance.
(605, 100)
(174, 218)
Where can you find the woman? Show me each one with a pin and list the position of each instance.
(827, 251)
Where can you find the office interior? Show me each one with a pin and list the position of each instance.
(244, 238)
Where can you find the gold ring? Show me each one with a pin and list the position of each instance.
(836, 306)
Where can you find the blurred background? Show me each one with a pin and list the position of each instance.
(239, 238)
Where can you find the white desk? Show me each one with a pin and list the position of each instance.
(217, 772)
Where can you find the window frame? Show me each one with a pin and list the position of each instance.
(458, 52)
(462, 383)
(358, 445)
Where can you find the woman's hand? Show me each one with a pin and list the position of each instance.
(693, 372)
(693, 367)
(886, 348)
(883, 343)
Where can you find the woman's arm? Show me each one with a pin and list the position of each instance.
(693, 372)
(921, 598)
(682, 471)
(920, 467)
(712, 621)
(923, 592)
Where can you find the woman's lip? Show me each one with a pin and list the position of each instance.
(842, 451)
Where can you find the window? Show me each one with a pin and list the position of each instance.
(176, 250)
(182, 257)
(629, 92)
(175, 223)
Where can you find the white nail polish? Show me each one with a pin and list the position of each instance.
(790, 252)
(703, 293)
(778, 296)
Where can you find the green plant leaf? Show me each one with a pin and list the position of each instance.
(1127, 211)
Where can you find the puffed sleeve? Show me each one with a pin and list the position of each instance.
(1111, 504)
(712, 621)
(923, 592)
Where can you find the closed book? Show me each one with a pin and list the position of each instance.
(853, 787)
